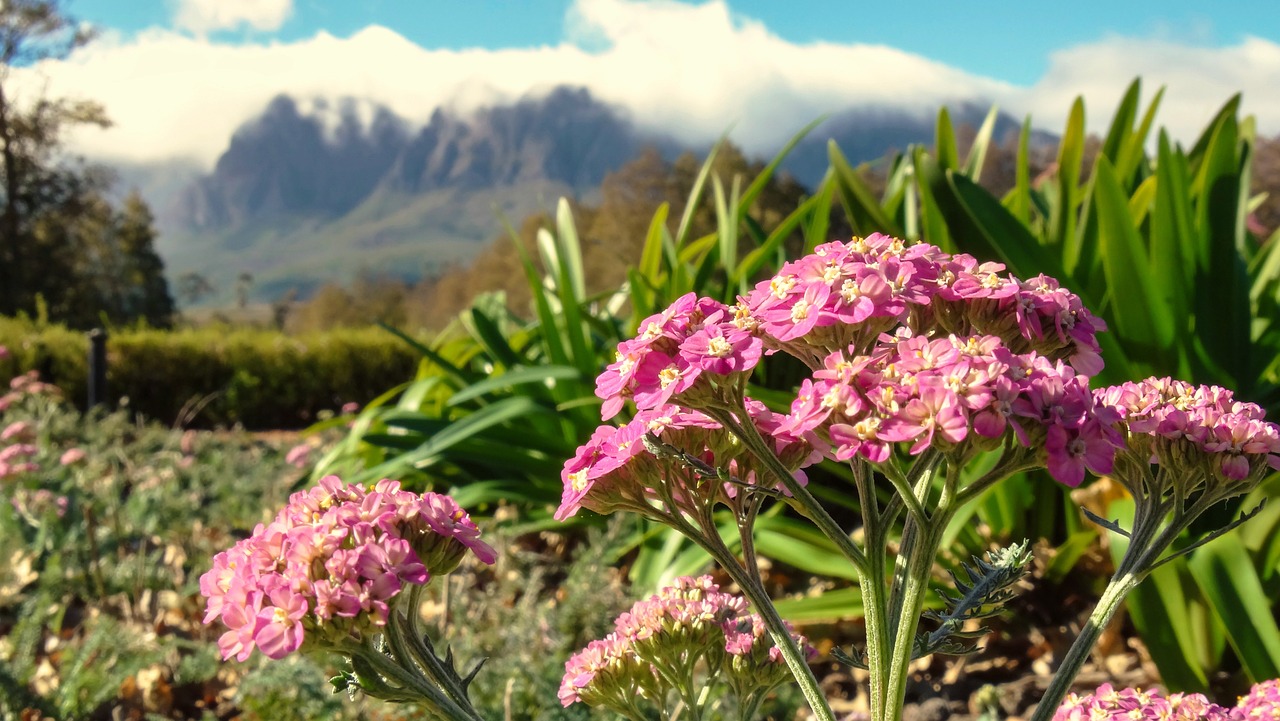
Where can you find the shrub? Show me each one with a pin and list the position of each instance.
(215, 376)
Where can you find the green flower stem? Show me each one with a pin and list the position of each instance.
(1146, 544)
(906, 616)
(1108, 605)
(914, 489)
(874, 601)
(424, 664)
(444, 673)
(416, 688)
(750, 706)
(761, 449)
(749, 582)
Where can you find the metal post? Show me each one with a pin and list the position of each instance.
(97, 367)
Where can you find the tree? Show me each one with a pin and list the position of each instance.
(146, 293)
(244, 286)
(59, 238)
(192, 287)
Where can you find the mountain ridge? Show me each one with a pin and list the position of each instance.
(365, 190)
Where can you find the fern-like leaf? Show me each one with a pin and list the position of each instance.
(986, 587)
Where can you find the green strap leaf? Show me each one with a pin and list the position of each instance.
(1227, 577)
(503, 411)
(864, 212)
(515, 377)
(1127, 267)
(978, 152)
(945, 142)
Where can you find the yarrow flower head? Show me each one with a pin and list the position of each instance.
(1109, 704)
(18, 432)
(686, 628)
(951, 392)
(1262, 703)
(332, 564)
(844, 295)
(696, 346)
(1201, 436)
(674, 457)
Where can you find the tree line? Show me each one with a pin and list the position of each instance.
(66, 251)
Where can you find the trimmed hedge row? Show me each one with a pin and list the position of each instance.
(214, 376)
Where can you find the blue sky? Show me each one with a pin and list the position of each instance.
(179, 76)
(1011, 41)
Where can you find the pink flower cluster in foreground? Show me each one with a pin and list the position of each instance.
(846, 294)
(614, 469)
(332, 563)
(1180, 424)
(666, 636)
(1262, 703)
(1110, 704)
(842, 297)
(694, 336)
(939, 392)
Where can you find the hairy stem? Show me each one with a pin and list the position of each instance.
(1147, 543)
(748, 581)
(812, 507)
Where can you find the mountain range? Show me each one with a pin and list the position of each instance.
(314, 191)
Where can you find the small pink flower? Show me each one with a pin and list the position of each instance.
(935, 410)
(278, 627)
(1070, 452)
(18, 431)
(17, 452)
(349, 408)
(72, 456)
(722, 351)
(299, 456)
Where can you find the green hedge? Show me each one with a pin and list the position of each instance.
(217, 376)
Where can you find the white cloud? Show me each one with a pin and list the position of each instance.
(1197, 81)
(203, 16)
(693, 70)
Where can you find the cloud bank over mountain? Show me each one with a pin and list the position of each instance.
(692, 71)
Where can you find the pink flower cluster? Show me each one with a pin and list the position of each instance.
(665, 636)
(18, 432)
(1180, 424)
(1262, 703)
(27, 384)
(843, 297)
(615, 470)
(15, 460)
(36, 504)
(945, 391)
(332, 563)
(300, 455)
(1110, 704)
(846, 294)
(695, 338)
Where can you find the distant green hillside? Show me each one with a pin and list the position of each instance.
(391, 232)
